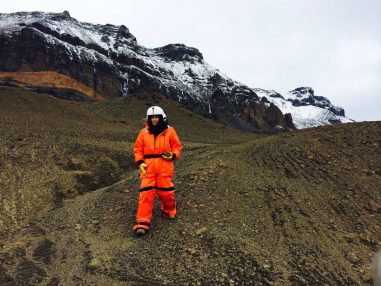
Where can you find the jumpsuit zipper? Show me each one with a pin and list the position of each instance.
(154, 140)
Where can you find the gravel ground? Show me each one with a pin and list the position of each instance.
(299, 208)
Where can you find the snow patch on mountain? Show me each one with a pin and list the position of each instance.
(303, 115)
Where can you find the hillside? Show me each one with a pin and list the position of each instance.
(296, 208)
(107, 61)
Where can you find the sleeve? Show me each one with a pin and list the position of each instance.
(139, 148)
(174, 141)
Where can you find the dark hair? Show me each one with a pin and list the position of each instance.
(160, 127)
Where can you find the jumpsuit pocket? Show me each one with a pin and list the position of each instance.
(167, 168)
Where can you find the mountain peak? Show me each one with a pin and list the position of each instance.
(123, 31)
(303, 96)
(302, 90)
(66, 13)
(179, 52)
(108, 59)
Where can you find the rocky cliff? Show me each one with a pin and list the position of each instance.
(109, 60)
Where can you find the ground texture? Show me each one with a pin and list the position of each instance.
(296, 208)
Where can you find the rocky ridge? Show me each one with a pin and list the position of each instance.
(109, 59)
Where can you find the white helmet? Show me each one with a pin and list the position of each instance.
(156, 110)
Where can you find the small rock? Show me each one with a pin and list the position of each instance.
(369, 172)
(266, 266)
(221, 164)
(192, 251)
(349, 238)
(201, 230)
(375, 206)
(94, 263)
(352, 257)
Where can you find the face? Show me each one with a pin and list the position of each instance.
(155, 119)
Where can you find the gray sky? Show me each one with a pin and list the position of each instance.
(333, 46)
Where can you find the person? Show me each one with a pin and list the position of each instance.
(156, 148)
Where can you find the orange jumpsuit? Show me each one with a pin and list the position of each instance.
(159, 173)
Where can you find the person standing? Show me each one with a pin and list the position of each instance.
(156, 148)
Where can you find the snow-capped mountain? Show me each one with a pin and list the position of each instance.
(109, 59)
(307, 109)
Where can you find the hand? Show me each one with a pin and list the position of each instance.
(167, 156)
(142, 168)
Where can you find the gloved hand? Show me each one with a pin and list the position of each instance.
(167, 156)
(142, 168)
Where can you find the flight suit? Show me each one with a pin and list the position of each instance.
(159, 173)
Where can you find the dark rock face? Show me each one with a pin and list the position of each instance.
(289, 122)
(179, 52)
(265, 116)
(108, 59)
(124, 32)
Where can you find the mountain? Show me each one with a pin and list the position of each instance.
(294, 208)
(307, 109)
(108, 60)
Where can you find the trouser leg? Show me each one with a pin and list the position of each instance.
(166, 192)
(146, 200)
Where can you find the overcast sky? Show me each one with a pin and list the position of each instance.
(333, 46)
